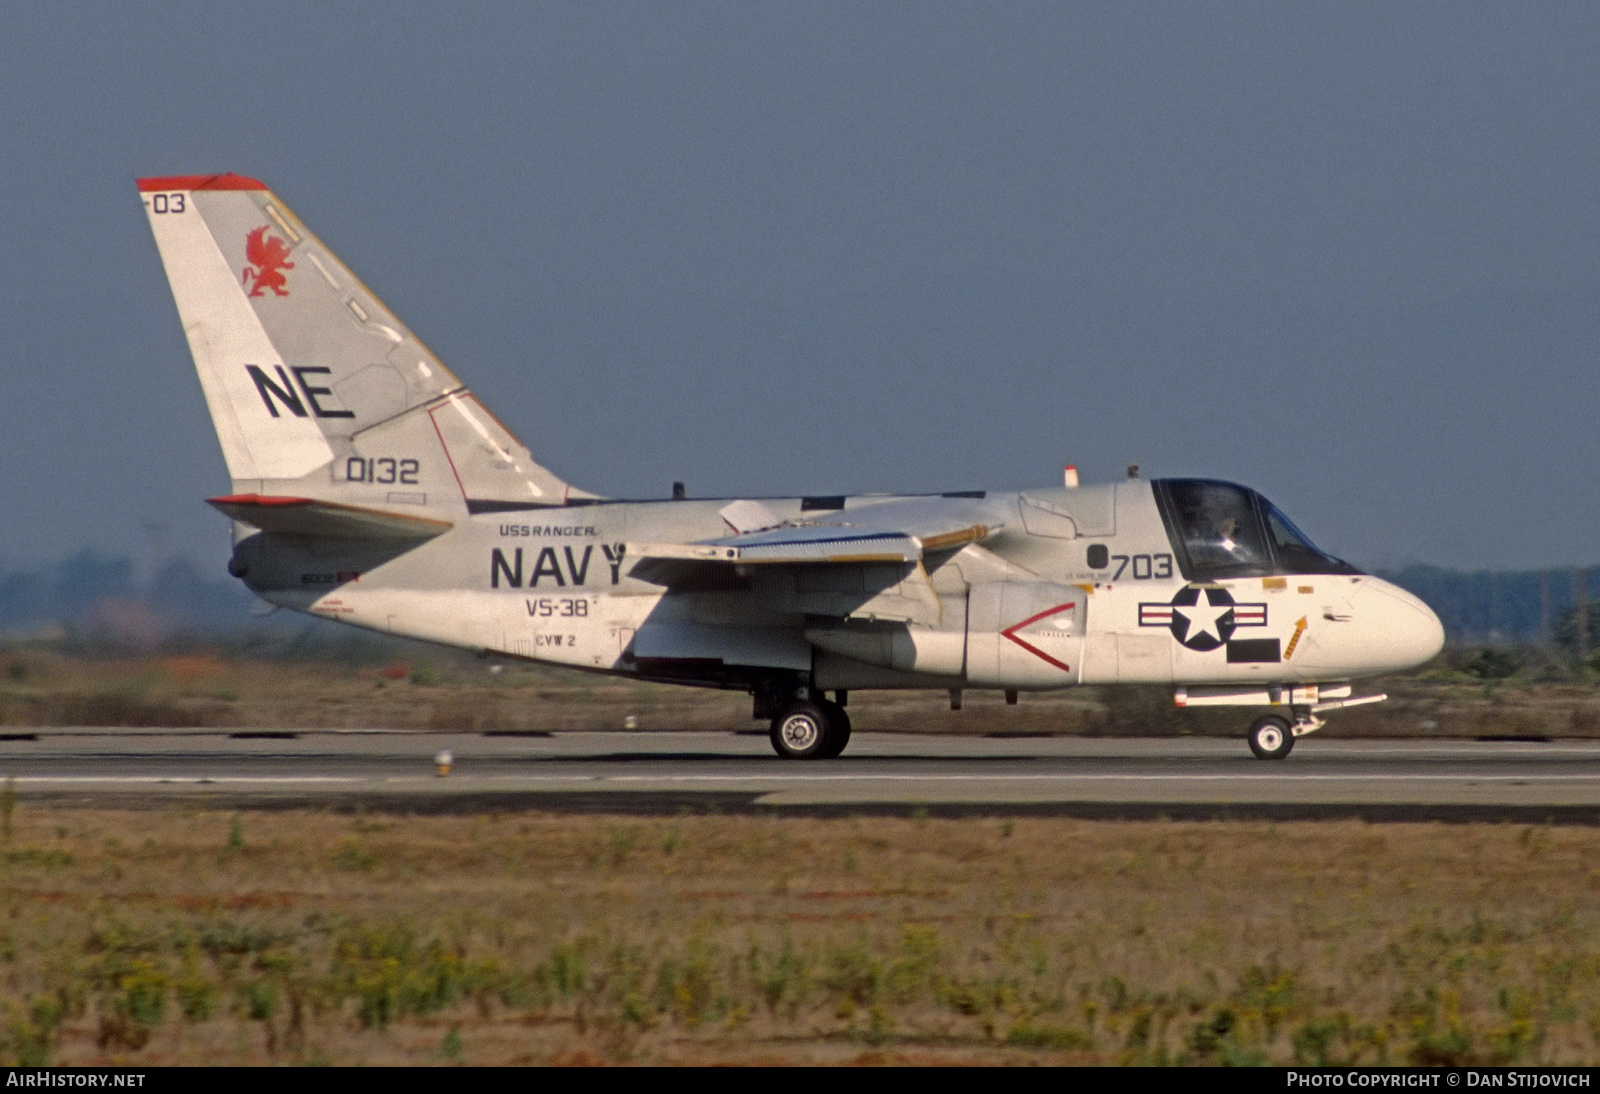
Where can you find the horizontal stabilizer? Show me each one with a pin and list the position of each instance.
(308, 517)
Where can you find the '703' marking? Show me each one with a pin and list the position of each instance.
(1145, 567)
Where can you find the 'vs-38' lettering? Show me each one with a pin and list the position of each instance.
(548, 607)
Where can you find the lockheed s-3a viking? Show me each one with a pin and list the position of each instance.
(371, 487)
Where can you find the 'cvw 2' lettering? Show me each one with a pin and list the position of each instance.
(289, 397)
(548, 564)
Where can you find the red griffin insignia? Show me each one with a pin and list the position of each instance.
(268, 257)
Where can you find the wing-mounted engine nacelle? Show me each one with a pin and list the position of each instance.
(1016, 635)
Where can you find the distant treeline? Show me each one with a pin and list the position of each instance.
(95, 593)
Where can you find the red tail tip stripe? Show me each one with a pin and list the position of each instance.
(229, 181)
(258, 499)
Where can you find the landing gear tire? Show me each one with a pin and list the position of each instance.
(1270, 738)
(838, 730)
(802, 732)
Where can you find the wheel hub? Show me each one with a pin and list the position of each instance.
(800, 732)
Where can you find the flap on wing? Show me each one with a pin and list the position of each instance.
(791, 545)
(309, 517)
(898, 531)
(750, 516)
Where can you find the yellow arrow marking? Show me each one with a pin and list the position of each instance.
(1299, 629)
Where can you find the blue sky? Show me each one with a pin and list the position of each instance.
(1343, 253)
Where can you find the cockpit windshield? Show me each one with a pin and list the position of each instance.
(1222, 530)
(1217, 527)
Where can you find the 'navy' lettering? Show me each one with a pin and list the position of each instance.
(614, 553)
(498, 566)
(578, 572)
(547, 566)
(509, 568)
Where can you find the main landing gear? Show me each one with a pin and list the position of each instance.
(807, 726)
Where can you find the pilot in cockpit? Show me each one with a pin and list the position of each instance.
(1225, 535)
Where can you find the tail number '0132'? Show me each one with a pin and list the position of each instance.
(166, 203)
(1145, 567)
(384, 470)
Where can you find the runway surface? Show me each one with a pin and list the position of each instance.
(943, 775)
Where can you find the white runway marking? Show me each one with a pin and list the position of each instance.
(819, 778)
(991, 777)
(185, 779)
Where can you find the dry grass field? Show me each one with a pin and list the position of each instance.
(409, 686)
(181, 936)
(151, 937)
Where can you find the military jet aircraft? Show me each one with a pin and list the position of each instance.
(371, 487)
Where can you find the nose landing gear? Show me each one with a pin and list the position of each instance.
(1271, 737)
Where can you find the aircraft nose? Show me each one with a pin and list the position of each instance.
(1377, 628)
(1404, 631)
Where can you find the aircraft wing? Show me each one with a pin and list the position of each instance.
(309, 517)
(893, 531)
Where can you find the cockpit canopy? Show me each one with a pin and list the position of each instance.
(1220, 530)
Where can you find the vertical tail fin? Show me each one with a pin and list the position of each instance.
(314, 386)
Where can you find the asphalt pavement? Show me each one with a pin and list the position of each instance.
(894, 773)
